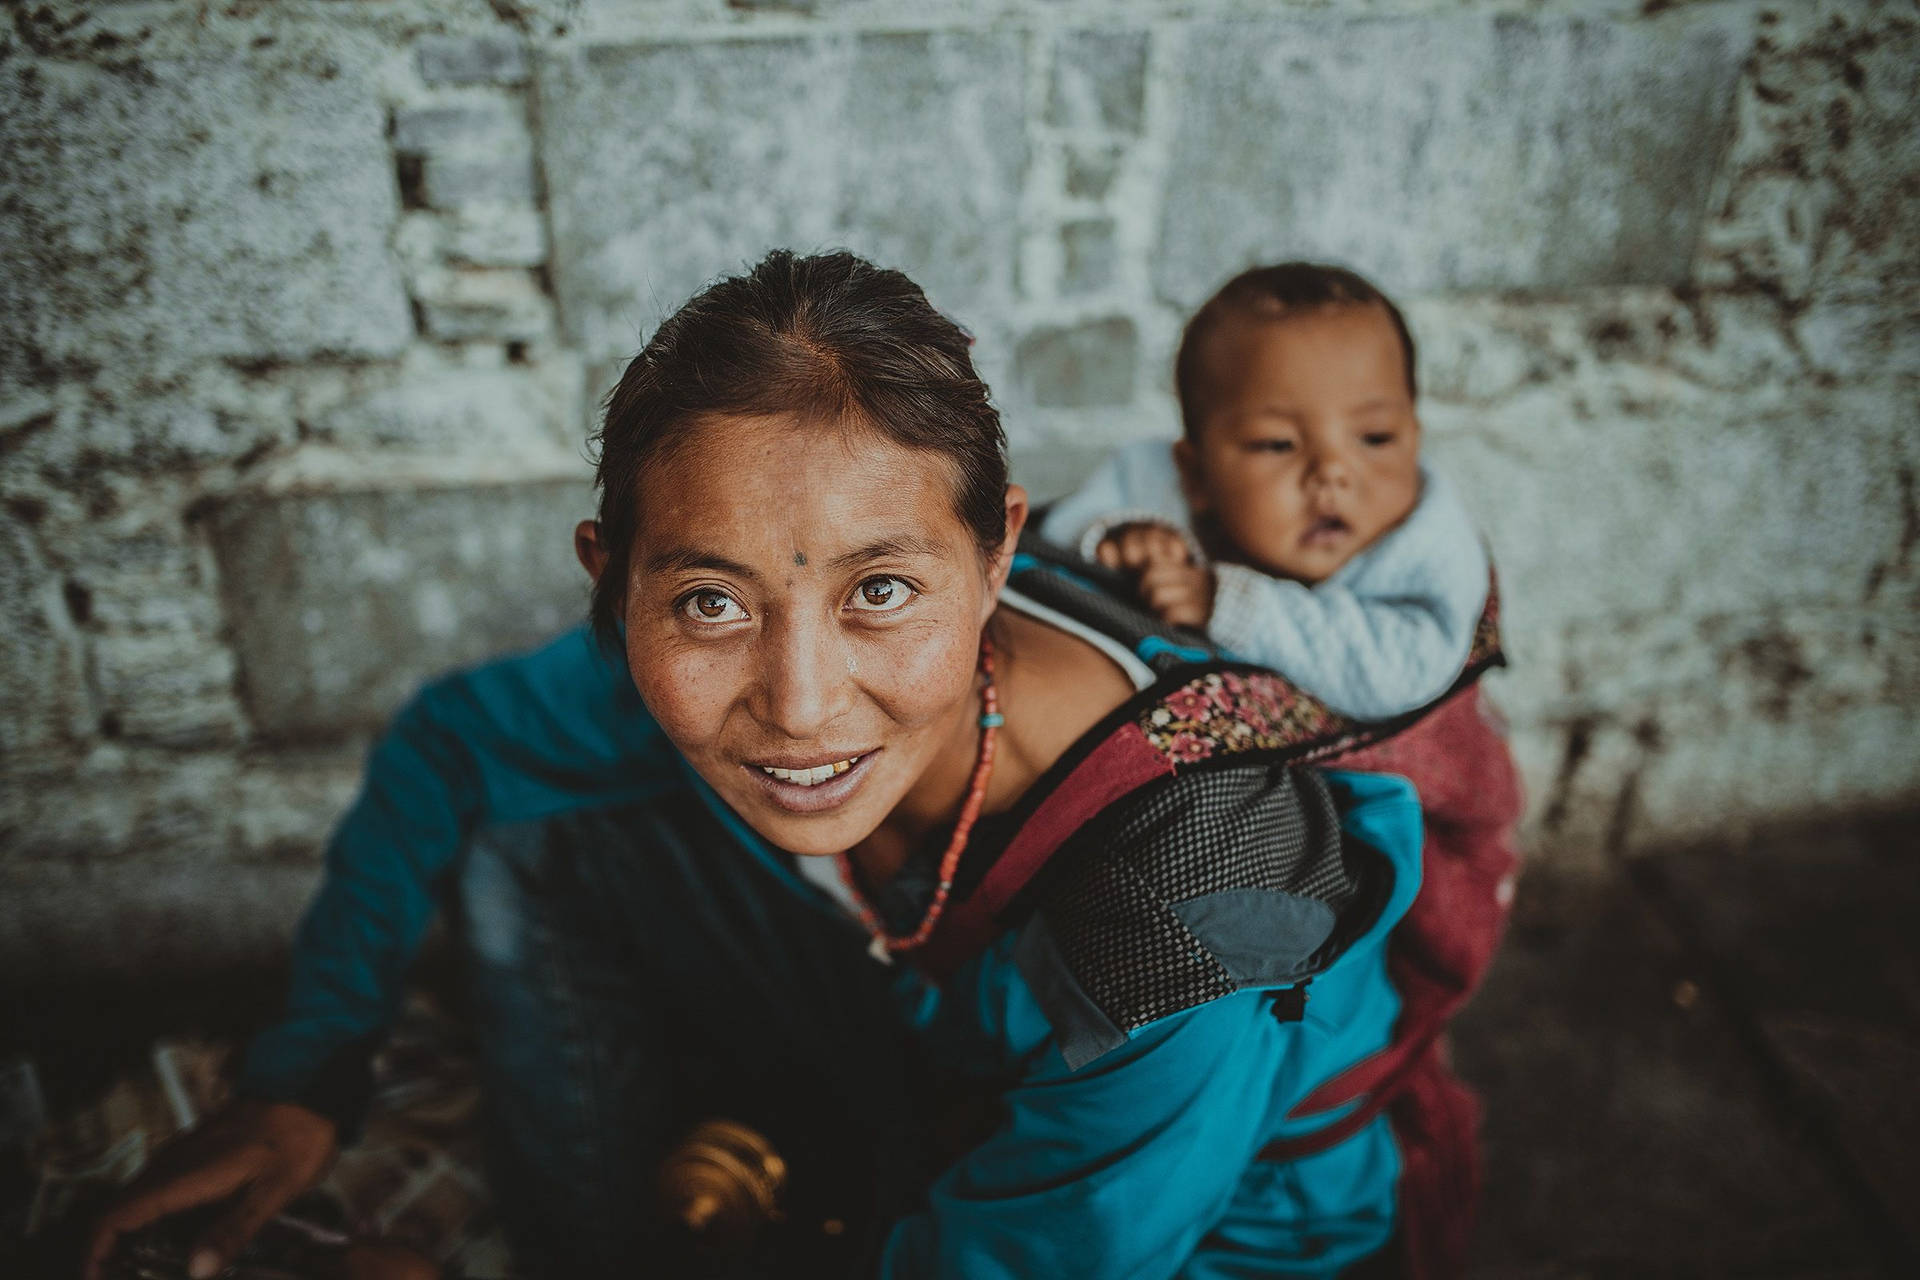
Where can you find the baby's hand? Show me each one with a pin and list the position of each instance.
(1163, 571)
(1180, 593)
(1135, 548)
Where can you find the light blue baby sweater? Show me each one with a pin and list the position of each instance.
(1386, 634)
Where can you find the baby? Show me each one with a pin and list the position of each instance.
(1294, 521)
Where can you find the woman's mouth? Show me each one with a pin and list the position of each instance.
(812, 788)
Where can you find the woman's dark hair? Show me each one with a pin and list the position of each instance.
(1272, 292)
(828, 340)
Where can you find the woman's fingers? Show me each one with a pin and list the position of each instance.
(195, 1186)
(271, 1150)
(223, 1241)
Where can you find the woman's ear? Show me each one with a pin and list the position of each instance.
(587, 546)
(1002, 564)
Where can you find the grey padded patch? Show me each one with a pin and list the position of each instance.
(1260, 936)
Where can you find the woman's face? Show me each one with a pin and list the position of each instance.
(803, 618)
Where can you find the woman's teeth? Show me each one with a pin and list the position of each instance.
(810, 777)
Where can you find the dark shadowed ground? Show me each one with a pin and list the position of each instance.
(1707, 1064)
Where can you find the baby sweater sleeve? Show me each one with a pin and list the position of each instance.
(1388, 633)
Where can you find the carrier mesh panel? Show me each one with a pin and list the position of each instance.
(1109, 907)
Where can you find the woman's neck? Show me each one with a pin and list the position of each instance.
(1053, 687)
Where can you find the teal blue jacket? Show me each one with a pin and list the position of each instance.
(1141, 1163)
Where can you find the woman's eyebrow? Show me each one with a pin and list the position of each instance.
(880, 548)
(687, 560)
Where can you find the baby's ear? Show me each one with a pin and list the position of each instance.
(1187, 459)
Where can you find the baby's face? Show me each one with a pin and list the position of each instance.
(1309, 448)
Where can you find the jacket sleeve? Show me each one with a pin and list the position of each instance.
(512, 741)
(1123, 1167)
(1117, 1169)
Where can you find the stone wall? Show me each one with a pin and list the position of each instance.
(308, 305)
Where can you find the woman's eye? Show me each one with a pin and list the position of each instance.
(880, 595)
(712, 606)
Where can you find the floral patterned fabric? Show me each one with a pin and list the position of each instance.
(1233, 711)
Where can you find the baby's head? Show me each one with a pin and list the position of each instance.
(1302, 446)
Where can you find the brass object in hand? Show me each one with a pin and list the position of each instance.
(723, 1183)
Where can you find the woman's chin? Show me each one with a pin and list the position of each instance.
(826, 817)
(817, 835)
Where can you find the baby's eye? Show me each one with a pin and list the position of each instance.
(1379, 439)
(881, 595)
(712, 606)
(1272, 445)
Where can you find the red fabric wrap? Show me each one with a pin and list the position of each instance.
(1470, 800)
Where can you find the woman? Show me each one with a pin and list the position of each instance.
(820, 737)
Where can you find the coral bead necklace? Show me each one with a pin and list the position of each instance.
(990, 722)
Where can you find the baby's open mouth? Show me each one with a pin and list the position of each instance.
(1326, 529)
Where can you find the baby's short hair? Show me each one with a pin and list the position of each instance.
(1274, 291)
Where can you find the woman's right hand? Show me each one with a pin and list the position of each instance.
(260, 1154)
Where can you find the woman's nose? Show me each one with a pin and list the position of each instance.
(805, 681)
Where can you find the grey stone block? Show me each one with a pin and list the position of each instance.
(1079, 366)
(465, 306)
(1088, 256)
(152, 806)
(668, 164)
(166, 686)
(1819, 179)
(1099, 81)
(489, 236)
(1597, 519)
(43, 694)
(343, 603)
(473, 410)
(1457, 152)
(466, 153)
(1091, 170)
(62, 922)
(476, 126)
(457, 179)
(215, 207)
(483, 59)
